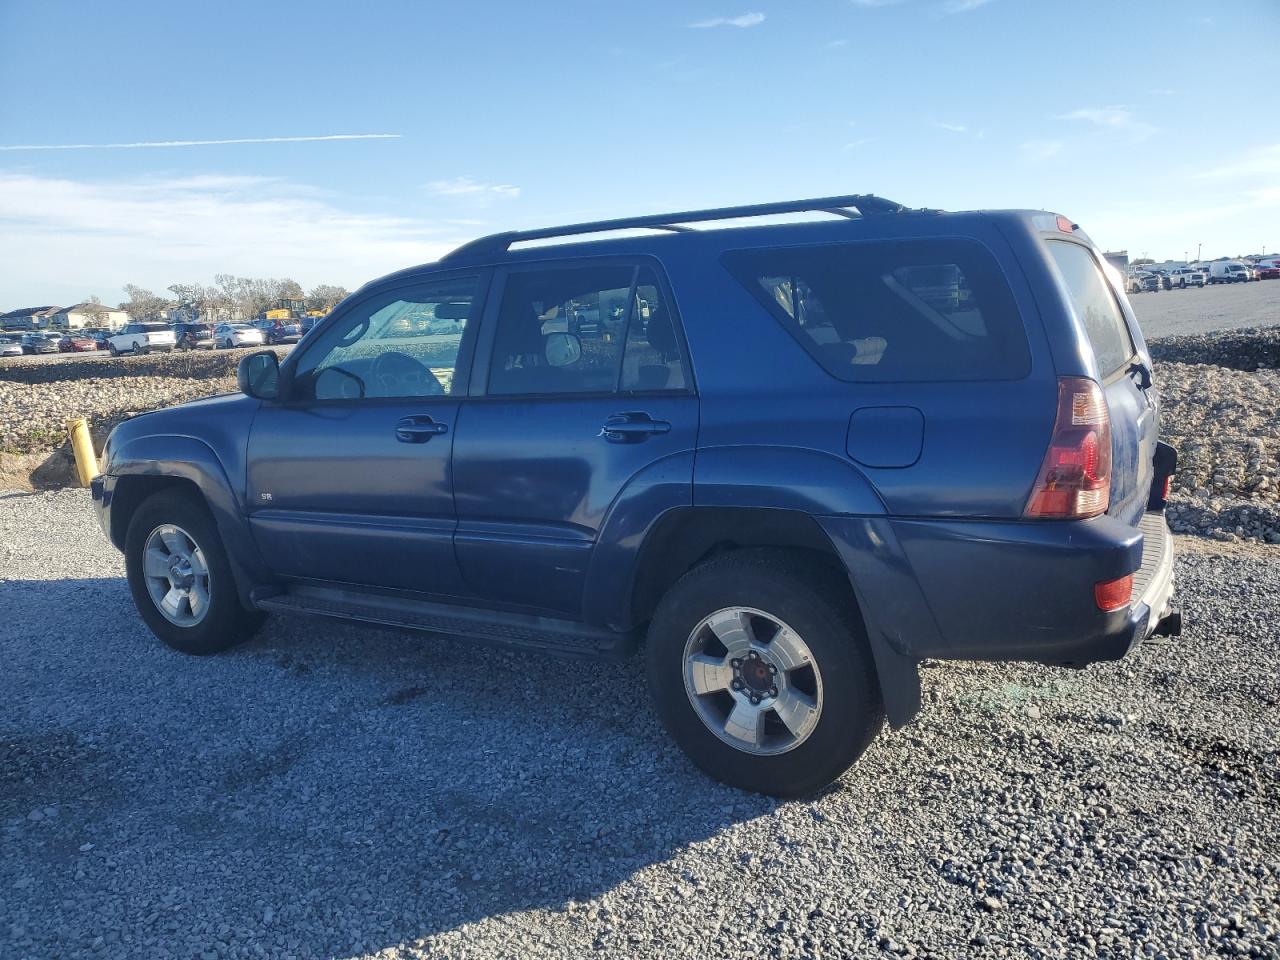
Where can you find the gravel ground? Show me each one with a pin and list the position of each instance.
(1225, 426)
(333, 791)
(1221, 307)
(37, 394)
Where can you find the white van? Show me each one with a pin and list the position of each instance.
(1228, 271)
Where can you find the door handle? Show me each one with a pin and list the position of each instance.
(419, 429)
(632, 428)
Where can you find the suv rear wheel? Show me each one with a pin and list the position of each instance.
(180, 577)
(760, 670)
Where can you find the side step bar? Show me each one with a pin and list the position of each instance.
(517, 630)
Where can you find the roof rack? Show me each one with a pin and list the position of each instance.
(865, 204)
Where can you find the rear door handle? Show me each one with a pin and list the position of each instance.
(632, 427)
(419, 429)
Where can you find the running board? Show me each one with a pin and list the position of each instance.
(518, 630)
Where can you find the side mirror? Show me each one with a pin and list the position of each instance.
(563, 349)
(258, 375)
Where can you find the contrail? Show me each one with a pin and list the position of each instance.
(197, 143)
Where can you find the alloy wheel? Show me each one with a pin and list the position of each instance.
(176, 574)
(752, 681)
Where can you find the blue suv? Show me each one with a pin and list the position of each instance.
(792, 461)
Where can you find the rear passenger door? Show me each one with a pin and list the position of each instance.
(581, 395)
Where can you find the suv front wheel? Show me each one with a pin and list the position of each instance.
(761, 672)
(180, 577)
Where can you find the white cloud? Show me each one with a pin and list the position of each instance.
(744, 20)
(1258, 162)
(875, 3)
(950, 127)
(62, 237)
(855, 144)
(198, 143)
(963, 6)
(1120, 119)
(1041, 149)
(470, 187)
(835, 44)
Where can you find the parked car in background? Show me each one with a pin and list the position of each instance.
(1184, 277)
(228, 335)
(279, 331)
(101, 338)
(914, 435)
(193, 336)
(33, 343)
(1143, 282)
(1269, 270)
(285, 332)
(10, 347)
(1166, 283)
(77, 343)
(140, 338)
(1228, 271)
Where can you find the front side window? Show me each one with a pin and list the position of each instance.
(584, 330)
(903, 310)
(400, 344)
(1095, 305)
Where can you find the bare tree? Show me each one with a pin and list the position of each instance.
(325, 296)
(143, 304)
(95, 311)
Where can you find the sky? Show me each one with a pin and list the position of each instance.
(332, 142)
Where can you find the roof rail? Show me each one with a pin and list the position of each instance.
(865, 204)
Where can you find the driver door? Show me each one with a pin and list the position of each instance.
(349, 475)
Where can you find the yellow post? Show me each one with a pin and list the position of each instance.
(82, 447)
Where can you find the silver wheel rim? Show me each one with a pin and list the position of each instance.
(177, 575)
(752, 681)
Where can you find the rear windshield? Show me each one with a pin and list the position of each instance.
(902, 310)
(1095, 305)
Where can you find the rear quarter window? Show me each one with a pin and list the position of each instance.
(885, 311)
(1094, 304)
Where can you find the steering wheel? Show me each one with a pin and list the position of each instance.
(397, 374)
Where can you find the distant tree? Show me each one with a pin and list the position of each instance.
(143, 304)
(290, 289)
(95, 311)
(325, 296)
(192, 299)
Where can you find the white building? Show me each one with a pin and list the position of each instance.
(88, 315)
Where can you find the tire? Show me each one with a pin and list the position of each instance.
(770, 587)
(1182, 284)
(224, 622)
(137, 349)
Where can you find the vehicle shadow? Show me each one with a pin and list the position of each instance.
(323, 789)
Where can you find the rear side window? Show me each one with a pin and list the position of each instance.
(593, 329)
(1095, 304)
(903, 310)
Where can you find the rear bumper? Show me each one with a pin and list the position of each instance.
(1007, 590)
(1152, 598)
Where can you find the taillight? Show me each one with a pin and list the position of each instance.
(1075, 478)
(1113, 594)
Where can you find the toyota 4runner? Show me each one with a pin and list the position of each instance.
(792, 461)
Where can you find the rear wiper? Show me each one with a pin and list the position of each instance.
(1144, 374)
